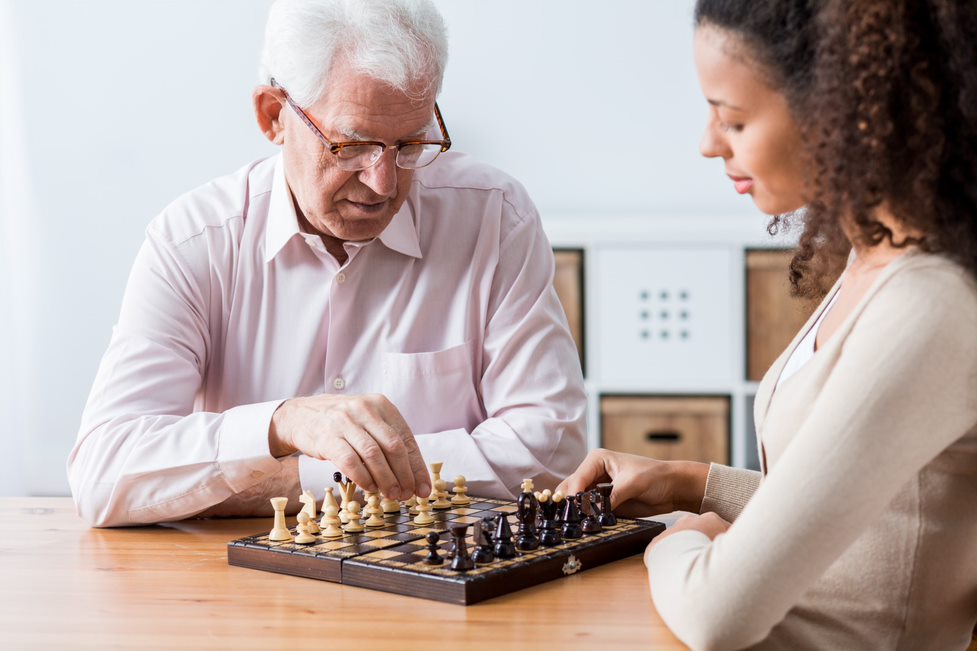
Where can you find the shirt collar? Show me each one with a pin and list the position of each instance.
(400, 234)
(283, 223)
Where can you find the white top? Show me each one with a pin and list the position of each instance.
(861, 534)
(231, 308)
(806, 348)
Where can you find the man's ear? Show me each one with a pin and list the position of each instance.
(268, 104)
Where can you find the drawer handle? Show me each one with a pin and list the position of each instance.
(666, 436)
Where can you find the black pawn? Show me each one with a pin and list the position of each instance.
(483, 540)
(432, 557)
(571, 519)
(607, 517)
(590, 523)
(462, 562)
(549, 533)
(528, 538)
(503, 538)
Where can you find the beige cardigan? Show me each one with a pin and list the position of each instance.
(863, 533)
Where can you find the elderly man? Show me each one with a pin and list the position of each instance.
(363, 301)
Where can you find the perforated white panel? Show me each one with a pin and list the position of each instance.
(664, 316)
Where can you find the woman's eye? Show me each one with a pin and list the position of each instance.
(728, 127)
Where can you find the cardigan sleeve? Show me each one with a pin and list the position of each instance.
(907, 366)
(728, 490)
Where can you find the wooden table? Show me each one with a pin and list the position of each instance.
(65, 585)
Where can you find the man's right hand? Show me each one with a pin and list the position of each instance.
(642, 486)
(364, 436)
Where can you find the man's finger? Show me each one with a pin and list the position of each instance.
(396, 454)
(414, 458)
(382, 476)
(422, 479)
(347, 461)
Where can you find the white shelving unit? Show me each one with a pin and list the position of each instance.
(664, 308)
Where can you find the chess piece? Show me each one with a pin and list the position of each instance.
(607, 517)
(528, 506)
(432, 557)
(441, 490)
(374, 510)
(558, 498)
(435, 476)
(347, 491)
(411, 505)
(462, 561)
(461, 492)
(503, 538)
(304, 537)
(388, 505)
(330, 519)
(550, 533)
(279, 531)
(423, 512)
(483, 542)
(590, 523)
(308, 499)
(571, 519)
(353, 513)
(328, 499)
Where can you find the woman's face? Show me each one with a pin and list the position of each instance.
(750, 126)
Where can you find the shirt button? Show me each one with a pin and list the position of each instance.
(340, 278)
(339, 383)
(257, 473)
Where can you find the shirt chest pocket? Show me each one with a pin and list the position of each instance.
(435, 391)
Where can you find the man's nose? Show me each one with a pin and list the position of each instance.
(382, 177)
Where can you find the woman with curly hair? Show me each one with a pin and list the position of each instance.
(860, 531)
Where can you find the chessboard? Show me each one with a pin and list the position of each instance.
(391, 558)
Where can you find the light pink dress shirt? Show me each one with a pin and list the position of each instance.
(231, 308)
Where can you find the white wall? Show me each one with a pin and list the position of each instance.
(123, 105)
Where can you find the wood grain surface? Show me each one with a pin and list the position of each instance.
(169, 586)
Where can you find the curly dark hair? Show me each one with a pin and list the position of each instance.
(885, 93)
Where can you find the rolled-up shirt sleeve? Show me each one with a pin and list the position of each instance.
(142, 454)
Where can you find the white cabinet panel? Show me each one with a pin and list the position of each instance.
(663, 316)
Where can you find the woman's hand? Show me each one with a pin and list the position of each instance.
(708, 523)
(642, 486)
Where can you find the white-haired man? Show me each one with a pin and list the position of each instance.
(352, 303)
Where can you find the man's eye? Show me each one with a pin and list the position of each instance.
(728, 127)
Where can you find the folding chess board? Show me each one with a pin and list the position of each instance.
(391, 558)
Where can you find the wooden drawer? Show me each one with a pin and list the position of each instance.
(568, 281)
(773, 316)
(694, 429)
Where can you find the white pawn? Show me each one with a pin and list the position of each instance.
(423, 512)
(411, 505)
(461, 492)
(353, 513)
(330, 522)
(373, 508)
(304, 537)
(279, 532)
(389, 506)
(441, 486)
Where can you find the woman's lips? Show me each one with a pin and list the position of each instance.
(743, 184)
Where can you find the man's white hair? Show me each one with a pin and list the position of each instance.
(402, 43)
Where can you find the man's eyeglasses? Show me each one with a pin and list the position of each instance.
(356, 155)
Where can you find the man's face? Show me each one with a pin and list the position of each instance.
(352, 206)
